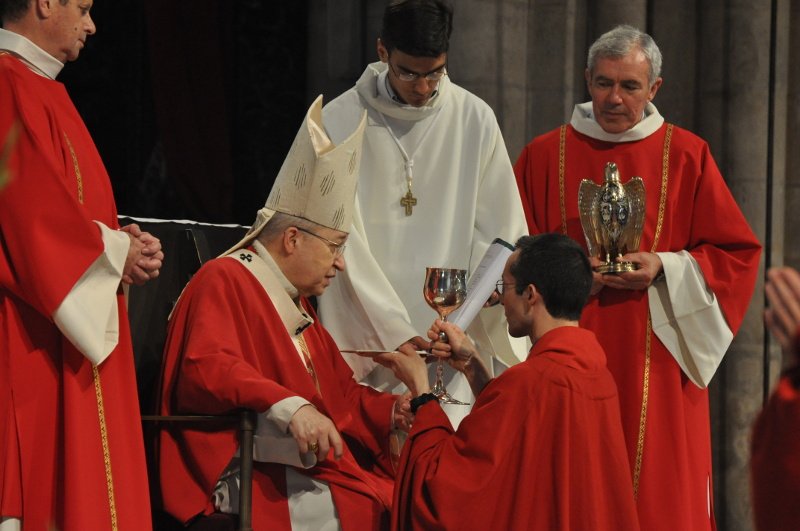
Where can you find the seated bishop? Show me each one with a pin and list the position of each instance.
(243, 335)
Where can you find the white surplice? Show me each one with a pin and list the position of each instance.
(466, 196)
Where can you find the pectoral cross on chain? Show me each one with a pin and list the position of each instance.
(408, 201)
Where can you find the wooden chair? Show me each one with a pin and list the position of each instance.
(187, 247)
(246, 421)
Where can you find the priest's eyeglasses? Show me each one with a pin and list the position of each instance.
(405, 75)
(500, 286)
(336, 248)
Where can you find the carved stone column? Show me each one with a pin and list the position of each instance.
(488, 56)
(733, 115)
(792, 241)
(605, 14)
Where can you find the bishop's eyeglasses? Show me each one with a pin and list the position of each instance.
(336, 248)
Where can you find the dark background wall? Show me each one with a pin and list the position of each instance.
(193, 103)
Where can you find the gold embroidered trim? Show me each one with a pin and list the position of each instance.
(664, 175)
(98, 391)
(309, 364)
(562, 169)
(662, 203)
(106, 451)
(637, 467)
(77, 168)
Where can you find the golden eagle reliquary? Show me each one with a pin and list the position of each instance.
(612, 217)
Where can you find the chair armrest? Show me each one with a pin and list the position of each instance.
(247, 426)
(246, 420)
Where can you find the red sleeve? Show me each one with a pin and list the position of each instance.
(47, 241)
(371, 429)
(723, 244)
(523, 170)
(775, 458)
(537, 173)
(447, 479)
(369, 417)
(212, 344)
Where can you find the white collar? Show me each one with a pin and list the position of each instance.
(370, 87)
(294, 318)
(583, 121)
(34, 57)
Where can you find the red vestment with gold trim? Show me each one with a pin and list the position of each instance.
(700, 216)
(53, 473)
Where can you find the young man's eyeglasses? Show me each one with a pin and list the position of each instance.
(405, 75)
(500, 286)
(336, 248)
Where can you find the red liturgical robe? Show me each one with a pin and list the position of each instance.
(542, 449)
(775, 459)
(71, 452)
(228, 348)
(698, 214)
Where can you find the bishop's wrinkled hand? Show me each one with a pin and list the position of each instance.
(314, 432)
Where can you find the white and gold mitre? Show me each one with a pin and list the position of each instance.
(317, 180)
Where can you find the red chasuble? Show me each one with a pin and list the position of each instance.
(775, 458)
(71, 453)
(689, 207)
(227, 348)
(542, 449)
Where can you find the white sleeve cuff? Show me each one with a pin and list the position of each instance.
(281, 412)
(273, 443)
(88, 316)
(687, 318)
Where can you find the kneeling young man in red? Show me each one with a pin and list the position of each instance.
(543, 446)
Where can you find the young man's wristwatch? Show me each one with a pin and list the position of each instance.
(424, 398)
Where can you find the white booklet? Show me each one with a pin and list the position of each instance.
(482, 282)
